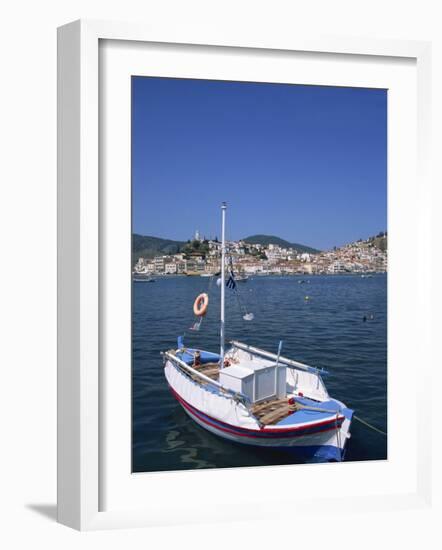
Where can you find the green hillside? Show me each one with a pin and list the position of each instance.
(271, 239)
(380, 241)
(148, 247)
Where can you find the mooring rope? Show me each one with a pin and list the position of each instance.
(318, 409)
(369, 425)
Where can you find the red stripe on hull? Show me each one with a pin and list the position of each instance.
(327, 425)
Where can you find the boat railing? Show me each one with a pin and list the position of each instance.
(238, 396)
(284, 360)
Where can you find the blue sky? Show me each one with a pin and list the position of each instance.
(305, 163)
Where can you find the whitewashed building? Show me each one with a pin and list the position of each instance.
(159, 262)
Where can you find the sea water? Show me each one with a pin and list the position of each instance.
(338, 322)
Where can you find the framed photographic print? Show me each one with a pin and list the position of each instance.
(235, 287)
(252, 295)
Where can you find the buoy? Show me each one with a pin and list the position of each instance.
(201, 304)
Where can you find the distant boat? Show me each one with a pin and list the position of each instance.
(241, 278)
(143, 280)
(207, 274)
(253, 397)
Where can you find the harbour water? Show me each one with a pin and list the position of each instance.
(341, 326)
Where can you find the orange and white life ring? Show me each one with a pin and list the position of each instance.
(201, 304)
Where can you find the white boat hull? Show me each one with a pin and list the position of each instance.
(319, 440)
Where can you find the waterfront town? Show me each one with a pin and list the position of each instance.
(202, 257)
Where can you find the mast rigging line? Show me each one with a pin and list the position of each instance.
(237, 294)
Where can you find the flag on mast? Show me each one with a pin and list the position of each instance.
(231, 283)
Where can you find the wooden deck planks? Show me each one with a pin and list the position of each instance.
(276, 415)
(208, 369)
(259, 407)
(272, 411)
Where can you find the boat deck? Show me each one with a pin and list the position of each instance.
(270, 411)
(209, 369)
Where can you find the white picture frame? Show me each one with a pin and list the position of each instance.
(80, 443)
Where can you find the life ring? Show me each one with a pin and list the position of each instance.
(201, 304)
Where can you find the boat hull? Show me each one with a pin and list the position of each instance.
(312, 448)
(314, 442)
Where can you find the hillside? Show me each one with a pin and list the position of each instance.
(148, 247)
(380, 241)
(271, 239)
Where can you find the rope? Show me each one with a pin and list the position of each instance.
(210, 283)
(338, 431)
(369, 425)
(318, 409)
(237, 295)
(241, 305)
(191, 330)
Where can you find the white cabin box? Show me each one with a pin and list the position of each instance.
(256, 381)
(238, 379)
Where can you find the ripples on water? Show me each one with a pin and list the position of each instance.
(326, 331)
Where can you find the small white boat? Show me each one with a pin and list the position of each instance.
(254, 397)
(143, 279)
(241, 278)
